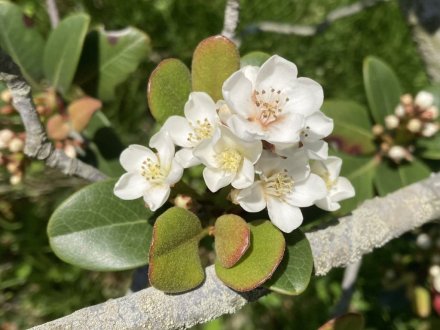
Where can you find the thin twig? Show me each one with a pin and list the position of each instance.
(52, 11)
(348, 287)
(37, 144)
(231, 20)
(339, 244)
(311, 30)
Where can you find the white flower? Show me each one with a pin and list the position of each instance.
(199, 124)
(270, 103)
(338, 188)
(149, 175)
(228, 160)
(391, 121)
(424, 99)
(285, 185)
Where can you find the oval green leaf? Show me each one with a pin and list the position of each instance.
(21, 40)
(168, 89)
(349, 321)
(175, 264)
(255, 58)
(108, 59)
(95, 230)
(63, 50)
(232, 238)
(390, 177)
(382, 88)
(260, 261)
(429, 148)
(214, 60)
(293, 274)
(352, 131)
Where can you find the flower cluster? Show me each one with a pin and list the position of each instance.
(412, 118)
(265, 139)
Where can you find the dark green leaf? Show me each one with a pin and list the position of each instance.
(349, 321)
(263, 256)
(293, 274)
(254, 58)
(21, 40)
(168, 89)
(214, 60)
(429, 148)
(63, 50)
(94, 229)
(352, 126)
(390, 177)
(232, 237)
(382, 88)
(175, 264)
(108, 59)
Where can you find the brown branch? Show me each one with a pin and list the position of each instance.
(38, 146)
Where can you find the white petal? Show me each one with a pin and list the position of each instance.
(317, 149)
(297, 165)
(200, 106)
(333, 165)
(162, 142)
(185, 157)
(156, 196)
(175, 173)
(244, 129)
(131, 186)
(286, 217)
(277, 73)
(205, 153)
(237, 92)
(132, 157)
(245, 176)
(285, 129)
(252, 198)
(342, 189)
(305, 97)
(179, 129)
(306, 192)
(269, 163)
(327, 204)
(216, 179)
(320, 126)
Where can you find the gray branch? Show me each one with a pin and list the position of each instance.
(232, 17)
(52, 11)
(38, 146)
(339, 244)
(348, 287)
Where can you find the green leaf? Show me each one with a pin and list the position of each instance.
(175, 264)
(429, 148)
(421, 301)
(349, 321)
(352, 126)
(293, 274)
(382, 88)
(63, 50)
(260, 260)
(105, 145)
(95, 230)
(255, 58)
(214, 60)
(390, 177)
(168, 89)
(108, 59)
(360, 172)
(232, 238)
(21, 40)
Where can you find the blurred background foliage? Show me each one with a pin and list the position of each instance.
(36, 287)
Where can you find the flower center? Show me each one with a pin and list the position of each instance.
(152, 171)
(229, 160)
(270, 105)
(201, 131)
(279, 184)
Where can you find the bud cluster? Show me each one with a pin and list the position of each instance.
(412, 119)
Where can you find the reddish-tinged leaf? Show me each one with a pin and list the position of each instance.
(81, 111)
(349, 321)
(57, 127)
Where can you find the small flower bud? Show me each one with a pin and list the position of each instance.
(397, 153)
(6, 96)
(13, 167)
(430, 129)
(436, 283)
(384, 146)
(434, 270)
(424, 99)
(423, 241)
(223, 111)
(431, 113)
(377, 129)
(5, 137)
(183, 201)
(16, 179)
(414, 125)
(406, 99)
(399, 111)
(391, 121)
(70, 151)
(16, 145)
